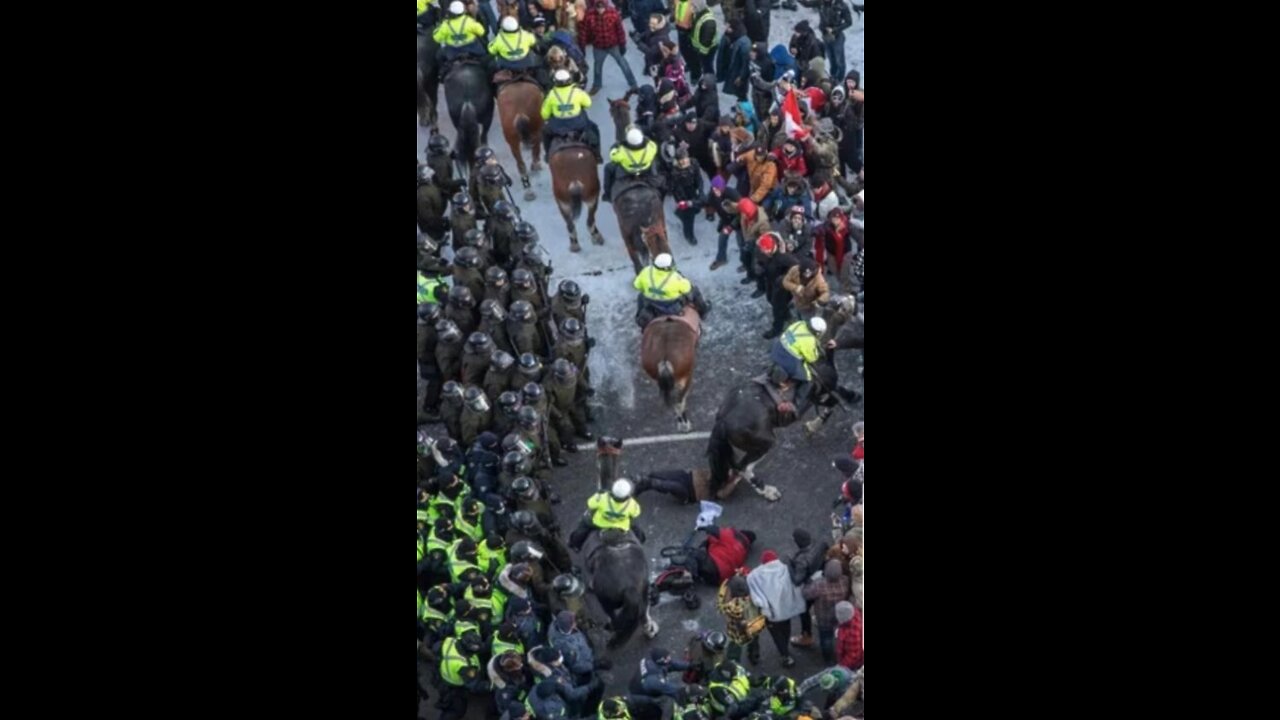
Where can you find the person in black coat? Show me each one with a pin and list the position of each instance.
(761, 66)
(696, 133)
(705, 100)
(649, 39)
(805, 46)
(686, 190)
(734, 60)
(776, 265)
(642, 10)
(756, 19)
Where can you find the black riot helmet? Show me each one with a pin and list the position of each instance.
(570, 291)
(522, 279)
(522, 311)
(501, 361)
(495, 276)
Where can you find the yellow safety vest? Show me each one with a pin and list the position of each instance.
(800, 342)
(609, 513)
(512, 46)
(564, 106)
(657, 284)
(629, 162)
(738, 688)
(452, 661)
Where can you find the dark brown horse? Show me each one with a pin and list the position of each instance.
(575, 180)
(641, 220)
(667, 355)
(519, 108)
(620, 113)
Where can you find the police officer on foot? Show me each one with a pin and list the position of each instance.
(794, 352)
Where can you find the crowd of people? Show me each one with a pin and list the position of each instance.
(504, 618)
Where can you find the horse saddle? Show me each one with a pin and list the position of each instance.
(688, 316)
(571, 139)
(783, 396)
(506, 76)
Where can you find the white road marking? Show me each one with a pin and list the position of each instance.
(654, 439)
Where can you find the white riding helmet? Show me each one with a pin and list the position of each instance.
(456, 8)
(817, 324)
(621, 489)
(635, 138)
(510, 24)
(663, 261)
(562, 76)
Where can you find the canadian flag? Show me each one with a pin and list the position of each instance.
(791, 117)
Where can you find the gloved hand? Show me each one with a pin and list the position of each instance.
(586, 299)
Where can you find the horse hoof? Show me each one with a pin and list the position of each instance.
(812, 426)
(684, 426)
(651, 630)
(574, 246)
(535, 167)
(598, 239)
(529, 196)
(771, 493)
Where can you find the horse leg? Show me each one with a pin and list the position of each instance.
(596, 237)
(536, 134)
(650, 625)
(816, 423)
(565, 212)
(683, 424)
(770, 493)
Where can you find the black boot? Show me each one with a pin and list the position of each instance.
(773, 332)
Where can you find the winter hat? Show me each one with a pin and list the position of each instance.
(658, 654)
(803, 27)
(717, 182)
(519, 605)
(844, 611)
(738, 586)
(768, 556)
(547, 655)
(564, 620)
(845, 465)
(831, 571)
(488, 441)
(547, 688)
(802, 538)
(827, 682)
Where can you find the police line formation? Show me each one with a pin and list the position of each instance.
(506, 616)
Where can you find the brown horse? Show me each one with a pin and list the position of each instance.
(620, 113)
(667, 355)
(574, 180)
(519, 108)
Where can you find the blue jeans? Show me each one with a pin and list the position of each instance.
(827, 642)
(597, 62)
(835, 57)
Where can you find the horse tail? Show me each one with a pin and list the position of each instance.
(666, 381)
(720, 455)
(575, 199)
(522, 127)
(627, 618)
(468, 133)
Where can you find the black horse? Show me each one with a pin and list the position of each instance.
(745, 424)
(616, 568)
(469, 93)
(428, 80)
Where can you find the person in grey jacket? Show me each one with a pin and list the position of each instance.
(779, 600)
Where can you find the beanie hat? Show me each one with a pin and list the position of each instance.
(844, 611)
(802, 538)
(768, 556)
(832, 571)
(564, 620)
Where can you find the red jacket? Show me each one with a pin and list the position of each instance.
(726, 552)
(603, 30)
(849, 641)
(795, 165)
(827, 239)
(857, 451)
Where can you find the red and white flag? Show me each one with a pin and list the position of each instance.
(791, 117)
